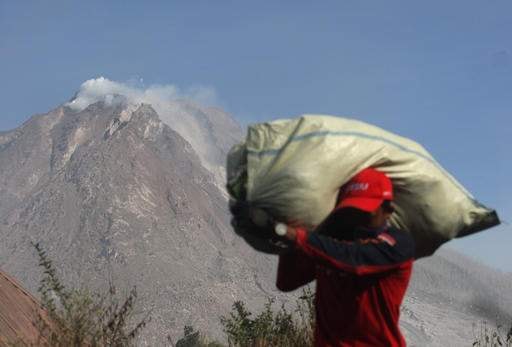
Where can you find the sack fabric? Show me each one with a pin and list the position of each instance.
(293, 169)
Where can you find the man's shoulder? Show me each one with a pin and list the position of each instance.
(398, 233)
(402, 240)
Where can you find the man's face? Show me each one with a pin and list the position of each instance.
(379, 217)
(349, 218)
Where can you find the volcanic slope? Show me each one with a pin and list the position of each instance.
(114, 193)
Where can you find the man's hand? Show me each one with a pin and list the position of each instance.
(291, 233)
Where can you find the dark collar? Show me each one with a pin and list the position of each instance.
(365, 232)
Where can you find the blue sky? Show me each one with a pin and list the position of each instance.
(439, 72)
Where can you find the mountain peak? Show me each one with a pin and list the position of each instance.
(210, 131)
(103, 89)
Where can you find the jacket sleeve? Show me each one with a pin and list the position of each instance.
(295, 269)
(389, 250)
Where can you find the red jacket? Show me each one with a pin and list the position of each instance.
(360, 284)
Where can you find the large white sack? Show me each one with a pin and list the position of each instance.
(294, 168)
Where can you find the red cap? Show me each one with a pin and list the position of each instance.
(366, 191)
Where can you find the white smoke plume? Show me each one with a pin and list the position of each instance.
(182, 110)
(103, 89)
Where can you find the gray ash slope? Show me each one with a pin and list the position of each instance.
(449, 298)
(114, 193)
(111, 191)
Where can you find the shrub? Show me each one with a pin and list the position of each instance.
(193, 338)
(271, 329)
(79, 317)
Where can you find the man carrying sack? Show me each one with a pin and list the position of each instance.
(362, 266)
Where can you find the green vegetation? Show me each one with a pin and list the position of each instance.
(193, 338)
(81, 318)
(269, 328)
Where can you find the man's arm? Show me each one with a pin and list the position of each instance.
(294, 270)
(389, 250)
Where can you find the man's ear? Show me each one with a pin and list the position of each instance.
(378, 211)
